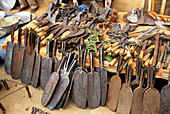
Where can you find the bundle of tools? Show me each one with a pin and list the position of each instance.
(65, 30)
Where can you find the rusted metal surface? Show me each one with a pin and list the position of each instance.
(17, 58)
(80, 84)
(114, 89)
(9, 49)
(61, 87)
(93, 90)
(165, 99)
(137, 103)
(46, 65)
(51, 85)
(151, 98)
(103, 77)
(54, 59)
(126, 96)
(37, 66)
(28, 61)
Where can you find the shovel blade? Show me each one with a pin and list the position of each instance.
(46, 69)
(94, 91)
(137, 103)
(49, 88)
(125, 100)
(8, 57)
(165, 100)
(113, 93)
(36, 71)
(58, 92)
(151, 101)
(17, 60)
(27, 67)
(80, 88)
(103, 85)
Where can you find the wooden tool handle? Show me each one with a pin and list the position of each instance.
(146, 57)
(151, 15)
(143, 48)
(122, 52)
(155, 50)
(146, 64)
(113, 62)
(130, 62)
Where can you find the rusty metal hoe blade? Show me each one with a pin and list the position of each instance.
(28, 61)
(80, 85)
(114, 89)
(93, 90)
(46, 65)
(9, 49)
(137, 103)
(126, 96)
(165, 98)
(61, 88)
(51, 85)
(151, 99)
(103, 77)
(17, 58)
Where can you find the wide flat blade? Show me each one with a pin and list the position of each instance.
(113, 93)
(137, 103)
(151, 101)
(94, 92)
(27, 67)
(103, 85)
(49, 88)
(8, 57)
(58, 92)
(165, 100)
(17, 60)
(46, 69)
(80, 88)
(125, 100)
(36, 71)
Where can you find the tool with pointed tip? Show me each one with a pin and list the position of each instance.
(28, 61)
(9, 49)
(137, 102)
(37, 65)
(80, 84)
(165, 98)
(126, 96)
(51, 85)
(93, 90)
(151, 97)
(46, 65)
(17, 58)
(61, 87)
(103, 77)
(114, 89)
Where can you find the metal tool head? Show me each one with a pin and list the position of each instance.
(7, 5)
